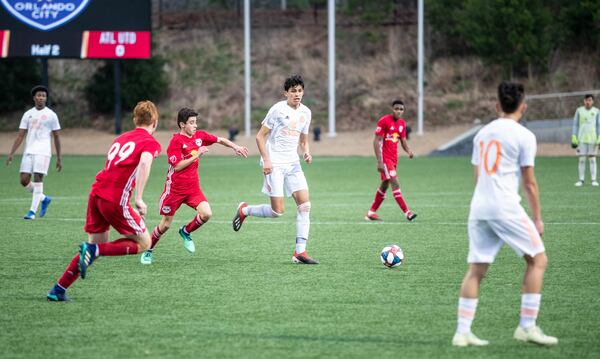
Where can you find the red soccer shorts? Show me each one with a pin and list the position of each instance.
(171, 201)
(389, 171)
(101, 214)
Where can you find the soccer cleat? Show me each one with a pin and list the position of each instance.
(466, 339)
(146, 257)
(578, 183)
(87, 254)
(410, 215)
(57, 294)
(29, 215)
(534, 335)
(188, 244)
(372, 216)
(595, 183)
(45, 204)
(303, 258)
(239, 217)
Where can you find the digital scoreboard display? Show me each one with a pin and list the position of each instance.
(95, 29)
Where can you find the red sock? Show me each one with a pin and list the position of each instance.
(71, 273)
(120, 247)
(156, 233)
(194, 224)
(398, 197)
(379, 197)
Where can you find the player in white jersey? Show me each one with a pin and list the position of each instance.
(37, 123)
(586, 137)
(283, 129)
(504, 152)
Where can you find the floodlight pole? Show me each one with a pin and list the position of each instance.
(117, 91)
(45, 79)
(247, 88)
(420, 69)
(331, 65)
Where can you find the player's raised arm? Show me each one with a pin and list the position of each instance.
(239, 150)
(261, 143)
(20, 136)
(142, 177)
(304, 148)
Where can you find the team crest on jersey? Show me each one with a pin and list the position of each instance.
(198, 142)
(45, 14)
(173, 159)
(166, 209)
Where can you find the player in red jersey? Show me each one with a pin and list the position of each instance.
(390, 129)
(128, 163)
(182, 184)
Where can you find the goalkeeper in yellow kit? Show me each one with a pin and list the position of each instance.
(586, 137)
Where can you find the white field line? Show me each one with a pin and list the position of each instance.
(325, 223)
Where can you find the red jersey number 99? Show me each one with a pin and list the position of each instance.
(116, 150)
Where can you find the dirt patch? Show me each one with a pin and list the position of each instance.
(357, 143)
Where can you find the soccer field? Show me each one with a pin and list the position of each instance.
(239, 295)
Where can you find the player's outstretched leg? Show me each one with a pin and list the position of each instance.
(87, 254)
(239, 217)
(45, 203)
(188, 244)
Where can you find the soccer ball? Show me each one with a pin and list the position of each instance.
(391, 256)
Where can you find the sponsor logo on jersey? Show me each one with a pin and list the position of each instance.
(45, 14)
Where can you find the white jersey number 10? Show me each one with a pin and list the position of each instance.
(484, 156)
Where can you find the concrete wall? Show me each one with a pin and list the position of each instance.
(552, 131)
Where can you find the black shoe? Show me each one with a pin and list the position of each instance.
(239, 216)
(57, 294)
(87, 254)
(410, 216)
(303, 258)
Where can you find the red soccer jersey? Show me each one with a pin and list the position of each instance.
(391, 131)
(117, 179)
(179, 149)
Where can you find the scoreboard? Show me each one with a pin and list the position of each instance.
(94, 29)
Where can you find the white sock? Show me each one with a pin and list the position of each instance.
(302, 226)
(530, 306)
(38, 189)
(581, 168)
(466, 314)
(29, 187)
(593, 169)
(260, 210)
(300, 245)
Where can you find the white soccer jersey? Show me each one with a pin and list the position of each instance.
(500, 149)
(39, 124)
(286, 125)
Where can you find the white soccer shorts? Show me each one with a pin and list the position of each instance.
(486, 237)
(587, 149)
(289, 177)
(35, 164)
